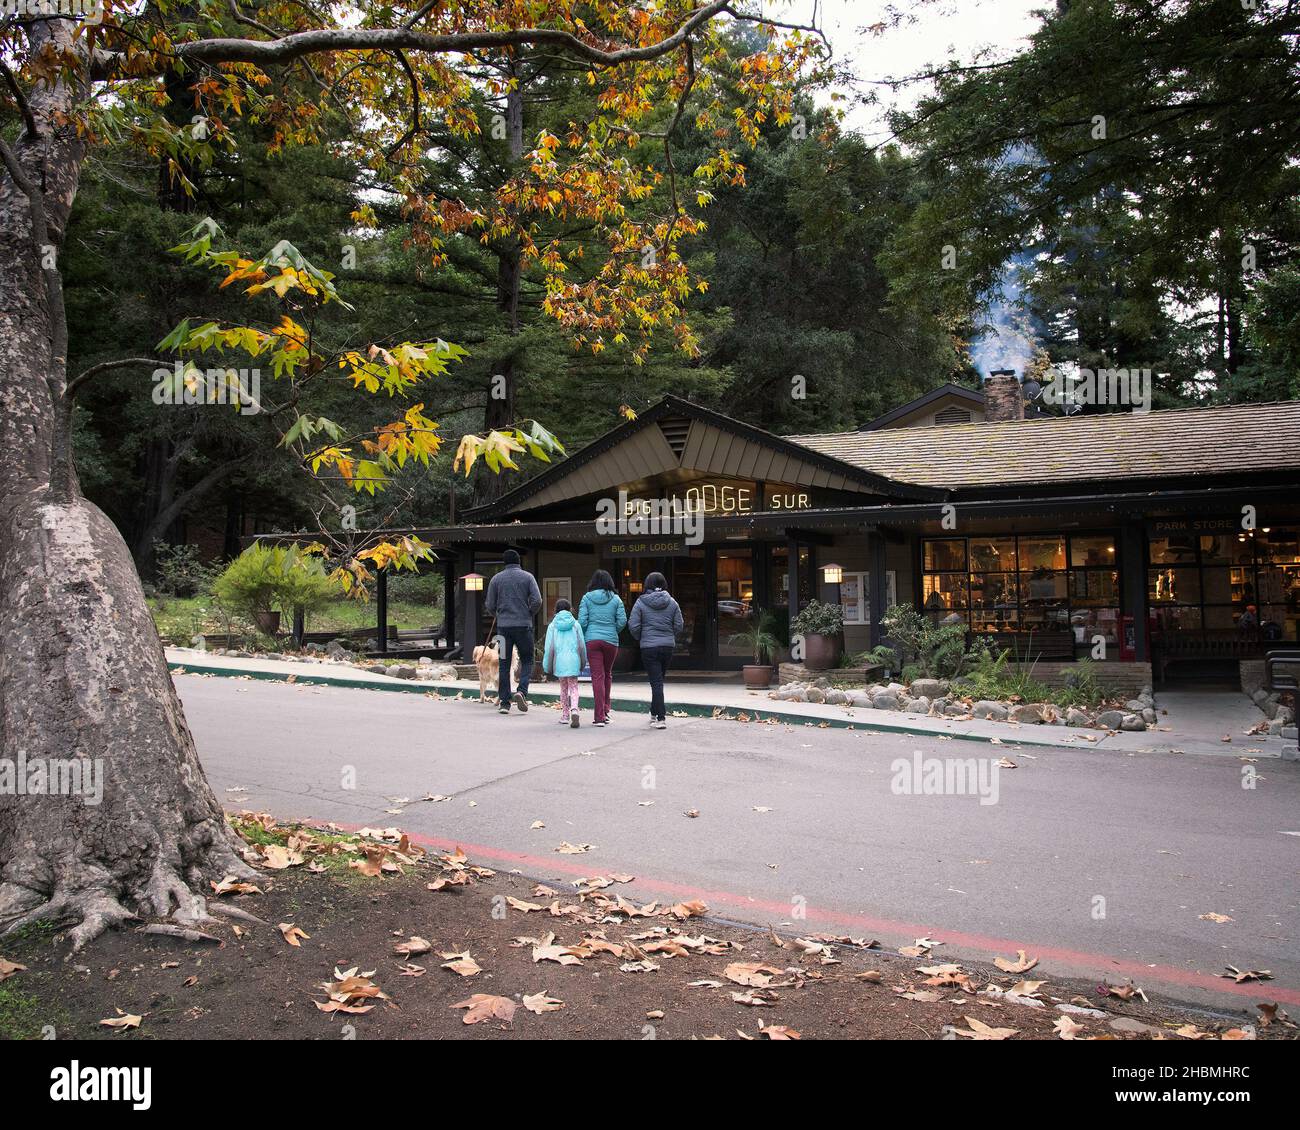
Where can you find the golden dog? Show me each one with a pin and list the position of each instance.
(488, 661)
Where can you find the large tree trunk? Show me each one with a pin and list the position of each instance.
(82, 671)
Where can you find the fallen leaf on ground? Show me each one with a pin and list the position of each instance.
(567, 848)
(461, 964)
(1021, 964)
(9, 968)
(122, 1021)
(540, 1002)
(750, 973)
(485, 1006)
(412, 946)
(292, 933)
(1066, 1028)
(981, 1031)
(1212, 917)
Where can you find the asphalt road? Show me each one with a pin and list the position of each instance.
(1099, 863)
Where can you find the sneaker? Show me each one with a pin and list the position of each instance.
(660, 724)
(575, 722)
(521, 702)
(602, 722)
(564, 721)
(504, 708)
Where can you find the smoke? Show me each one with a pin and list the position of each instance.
(1008, 338)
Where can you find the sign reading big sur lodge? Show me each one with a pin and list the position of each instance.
(717, 497)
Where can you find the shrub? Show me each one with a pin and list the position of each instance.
(817, 618)
(758, 638)
(265, 577)
(180, 570)
(939, 649)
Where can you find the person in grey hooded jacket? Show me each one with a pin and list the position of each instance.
(655, 623)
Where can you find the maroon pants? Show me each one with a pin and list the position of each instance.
(601, 656)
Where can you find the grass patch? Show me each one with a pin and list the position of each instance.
(180, 619)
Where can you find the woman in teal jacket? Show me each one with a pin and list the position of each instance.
(601, 616)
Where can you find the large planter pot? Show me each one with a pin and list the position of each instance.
(268, 621)
(758, 677)
(821, 653)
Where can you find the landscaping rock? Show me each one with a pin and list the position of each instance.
(836, 698)
(1133, 706)
(1132, 723)
(1076, 717)
(938, 706)
(1289, 732)
(987, 708)
(958, 709)
(1027, 712)
(896, 688)
(815, 694)
(1110, 719)
(860, 698)
(929, 688)
(886, 701)
(1149, 716)
(918, 705)
(402, 671)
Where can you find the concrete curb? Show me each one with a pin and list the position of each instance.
(687, 709)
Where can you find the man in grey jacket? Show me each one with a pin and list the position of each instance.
(514, 599)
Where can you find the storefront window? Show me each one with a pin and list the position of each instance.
(1041, 583)
(1230, 585)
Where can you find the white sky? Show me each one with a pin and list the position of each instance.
(932, 31)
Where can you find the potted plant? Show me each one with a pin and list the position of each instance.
(819, 625)
(266, 580)
(761, 640)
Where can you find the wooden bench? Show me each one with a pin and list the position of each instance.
(1181, 647)
(1025, 647)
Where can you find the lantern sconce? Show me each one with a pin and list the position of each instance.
(473, 582)
(832, 574)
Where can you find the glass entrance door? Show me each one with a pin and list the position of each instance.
(734, 599)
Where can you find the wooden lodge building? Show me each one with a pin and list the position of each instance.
(1174, 536)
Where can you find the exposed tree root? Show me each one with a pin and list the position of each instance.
(181, 932)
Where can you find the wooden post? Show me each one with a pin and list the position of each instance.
(449, 602)
(1133, 590)
(878, 590)
(299, 627)
(381, 609)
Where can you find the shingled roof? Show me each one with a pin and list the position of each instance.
(1174, 443)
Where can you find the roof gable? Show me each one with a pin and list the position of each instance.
(678, 437)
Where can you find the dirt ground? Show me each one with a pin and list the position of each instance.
(624, 970)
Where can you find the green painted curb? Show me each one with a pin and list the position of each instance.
(686, 709)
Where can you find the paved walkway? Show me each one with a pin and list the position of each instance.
(1197, 721)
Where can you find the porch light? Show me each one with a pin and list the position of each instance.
(473, 582)
(832, 574)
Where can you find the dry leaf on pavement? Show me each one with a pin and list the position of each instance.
(485, 1006)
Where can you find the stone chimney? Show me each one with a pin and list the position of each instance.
(1003, 398)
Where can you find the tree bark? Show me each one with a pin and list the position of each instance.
(82, 671)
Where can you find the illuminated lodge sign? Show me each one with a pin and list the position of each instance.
(720, 497)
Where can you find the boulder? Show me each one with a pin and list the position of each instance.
(929, 688)
(896, 688)
(1149, 716)
(836, 698)
(1110, 719)
(918, 705)
(958, 709)
(815, 694)
(860, 698)
(1076, 717)
(987, 708)
(1027, 712)
(938, 706)
(1133, 723)
(1133, 706)
(402, 671)
(886, 701)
